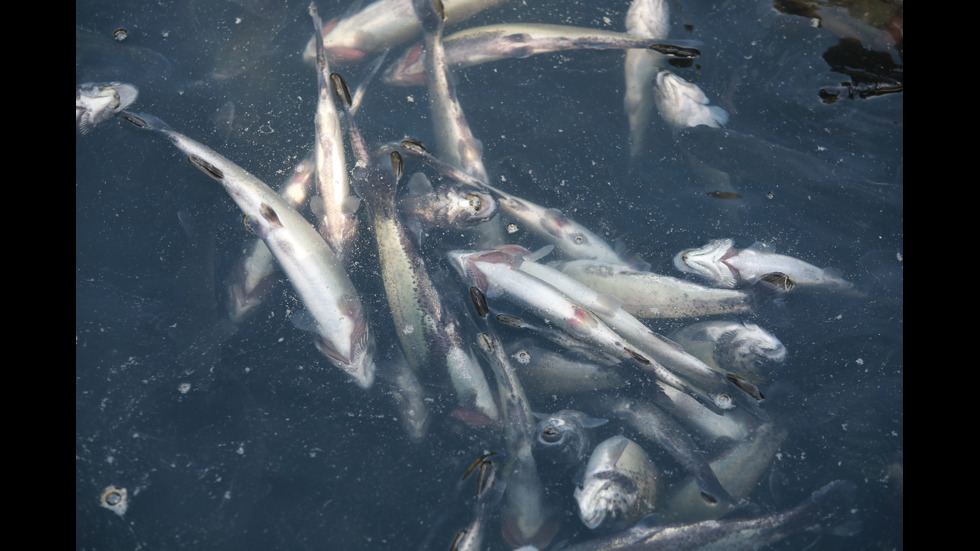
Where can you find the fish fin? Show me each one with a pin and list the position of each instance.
(761, 247)
(351, 204)
(719, 115)
(303, 321)
(540, 253)
(593, 422)
(419, 184)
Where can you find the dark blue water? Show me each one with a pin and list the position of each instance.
(270, 448)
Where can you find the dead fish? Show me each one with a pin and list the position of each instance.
(488, 43)
(620, 485)
(724, 265)
(96, 103)
(683, 104)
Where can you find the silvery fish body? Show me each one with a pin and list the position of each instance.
(494, 274)
(251, 275)
(527, 518)
(334, 205)
(650, 295)
(740, 347)
(724, 265)
(620, 485)
(827, 510)
(645, 18)
(430, 334)
(691, 374)
(729, 426)
(384, 24)
(571, 238)
(96, 103)
(683, 104)
(544, 371)
(314, 271)
(488, 43)
(564, 436)
(739, 469)
(448, 207)
(660, 428)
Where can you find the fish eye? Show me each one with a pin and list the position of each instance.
(475, 202)
(579, 239)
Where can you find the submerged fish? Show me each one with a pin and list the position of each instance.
(620, 485)
(316, 274)
(650, 295)
(724, 265)
(564, 436)
(334, 204)
(448, 207)
(660, 428)
(739, 469)
(382, 25)
(527, 518)
(478, 45)
(829, 509)
(741, 347)
(96, 103)
(252, 272)
(430, 334)
(645, 18)
(568, 236)
(683, 104)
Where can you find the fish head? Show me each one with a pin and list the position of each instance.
(561, 439)
(709, 262)
(751, 351)
(606, 501)
(464, 207)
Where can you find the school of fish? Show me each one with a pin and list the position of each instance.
(576, 317)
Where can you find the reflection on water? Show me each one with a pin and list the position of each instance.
(243, 437)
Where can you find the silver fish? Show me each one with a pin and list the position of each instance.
(683, 104)
(402, 383)
(829, 509)
(649, 18)
(620, 485)
(720, 389)
(740, 347)
(334, 204)
(527, 518)
(448, 207)
(544, 371)
(739, 469)
(311, 266)
(430, 334)
(488, 43)
(96, 103)
(564, 436)
(724, 265)
(646, 294)
(382, 25)
(662, 429)
(251, 274)
(568, 236)
(731, 425)
(489, 493)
